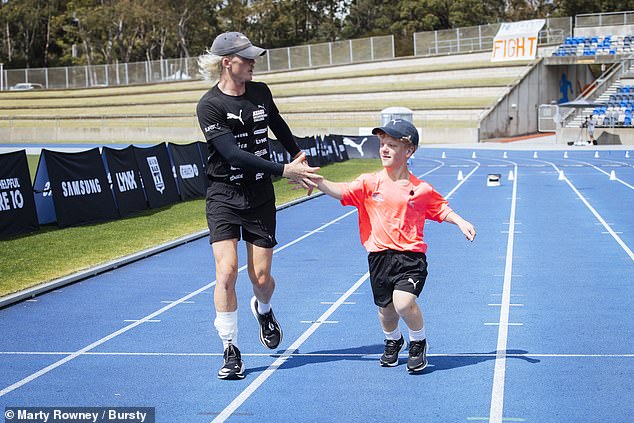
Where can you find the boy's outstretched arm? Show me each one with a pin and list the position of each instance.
(332, 189)
(467, 228)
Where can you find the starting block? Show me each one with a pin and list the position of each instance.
(494, 179)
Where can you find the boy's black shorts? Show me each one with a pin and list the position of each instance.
(228, 216)
(401, 270)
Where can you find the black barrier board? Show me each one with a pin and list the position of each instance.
(331, 141)
(309, 146)
(157, 176)
(361, 147)
(189, 169)
(338, 141)
(278, 152)
(17, 205)
(125, 179)
(80, 188)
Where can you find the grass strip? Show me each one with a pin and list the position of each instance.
(51, 253)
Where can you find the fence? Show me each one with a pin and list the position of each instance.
(604, 19)
(299, 57)
(480, 38)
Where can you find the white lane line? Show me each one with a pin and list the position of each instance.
(600, 219)
(151, 316)
(497, 392)
(246, 393)
(378, 354)
(500, 324)
(145, 321)
(512, 305)
(318, 321)
(607, 174)
(448, 196)
(332, 302)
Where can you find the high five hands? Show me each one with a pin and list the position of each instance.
(299, 173)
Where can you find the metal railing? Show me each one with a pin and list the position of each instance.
(480, 38)
(148, 72)
(589, 20)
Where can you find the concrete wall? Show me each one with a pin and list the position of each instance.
(517, 112)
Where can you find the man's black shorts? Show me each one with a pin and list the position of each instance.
(229, 214)
(401, 270)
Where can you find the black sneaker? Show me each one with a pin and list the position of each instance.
(270, 330)
(392, 349)
(417, 359)
(234, 366)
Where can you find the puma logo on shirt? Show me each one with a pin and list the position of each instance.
(236, 117)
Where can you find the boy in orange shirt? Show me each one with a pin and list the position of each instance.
(393, 205)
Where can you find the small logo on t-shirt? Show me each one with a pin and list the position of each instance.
(376, 196)
(236, 117)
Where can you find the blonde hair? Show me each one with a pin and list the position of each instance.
(209, 66)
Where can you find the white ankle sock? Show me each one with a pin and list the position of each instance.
(263, 308)
(226, 324)
(417, 335)
(395, 335)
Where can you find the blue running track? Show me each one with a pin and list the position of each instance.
(532, 322)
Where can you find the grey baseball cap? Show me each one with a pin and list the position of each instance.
(235, 43)
(399, 128)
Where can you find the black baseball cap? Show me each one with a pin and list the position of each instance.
(399, 128)
(229, 43)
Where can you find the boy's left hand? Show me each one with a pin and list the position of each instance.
(468, 230)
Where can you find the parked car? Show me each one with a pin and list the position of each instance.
(25, 86)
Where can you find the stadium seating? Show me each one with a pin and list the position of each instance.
(596, 45)
(618, 108)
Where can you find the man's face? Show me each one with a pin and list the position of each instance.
(239, 68)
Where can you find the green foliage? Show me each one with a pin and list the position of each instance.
(46, 33)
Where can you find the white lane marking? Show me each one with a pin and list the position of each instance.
(171, 301)
(448, 196)
(253, 386)
(607, 174)
(599, 218)
(497, 392)
(500, 324)
(378, 354)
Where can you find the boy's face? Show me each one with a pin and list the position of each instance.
(393, 152)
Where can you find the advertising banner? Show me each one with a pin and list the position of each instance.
(189, 169)
(125, 179)
(156, 174)
(17, 205)
(79, 186)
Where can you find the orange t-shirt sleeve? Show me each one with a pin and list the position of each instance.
(437, 207)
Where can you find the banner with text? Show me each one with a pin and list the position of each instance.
(517, 41)
(189, 169)
(156, 174)
(80, 188)
(17, 205)
(125, 179)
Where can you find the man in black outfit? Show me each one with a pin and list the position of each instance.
(235, 115)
